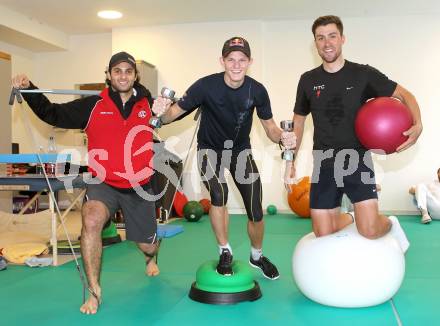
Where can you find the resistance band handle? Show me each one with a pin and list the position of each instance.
(15, 93)
(12, 96)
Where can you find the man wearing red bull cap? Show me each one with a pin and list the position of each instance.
(228, 100)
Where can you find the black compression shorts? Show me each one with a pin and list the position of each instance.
(244, 172)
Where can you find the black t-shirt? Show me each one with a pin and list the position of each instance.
(334, 100)
(226, 112)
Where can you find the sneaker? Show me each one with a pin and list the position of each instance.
(425, 219)
(224, 266)
(398, 233)
(268, 269)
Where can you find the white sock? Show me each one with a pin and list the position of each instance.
(398, 233)
(256, 253)
(226, 246)
(426, 218)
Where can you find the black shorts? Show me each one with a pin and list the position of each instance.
(334, 177)
(244, 172)
(139, 213)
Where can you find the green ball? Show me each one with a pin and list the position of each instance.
(109, 231)
(193, 211)
(271, 209)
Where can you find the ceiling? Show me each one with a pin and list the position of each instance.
(79, 16)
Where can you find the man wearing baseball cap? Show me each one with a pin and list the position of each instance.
(228, 100)
(109, 120)
(121, 57)
(236, 44)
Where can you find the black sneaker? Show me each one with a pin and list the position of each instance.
(224, 266)
(268, 269)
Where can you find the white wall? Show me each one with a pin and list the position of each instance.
(282, 51)
(21, 60)
(30, 33)
(182, 54)
(84, 62)
(402, 47)
(405, 49)
(405, 54)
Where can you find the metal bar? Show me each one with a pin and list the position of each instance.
(16, 93)
(53, 213)
(61, 91)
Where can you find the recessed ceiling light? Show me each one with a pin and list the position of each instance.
(109, 14)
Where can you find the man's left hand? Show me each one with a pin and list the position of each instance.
(413, 134)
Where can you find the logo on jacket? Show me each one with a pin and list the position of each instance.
(142, 114)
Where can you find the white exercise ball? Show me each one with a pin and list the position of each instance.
(347, 270)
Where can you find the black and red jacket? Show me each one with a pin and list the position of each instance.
(120, 141)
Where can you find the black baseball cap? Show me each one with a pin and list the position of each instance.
(121, 57)
(236, 43)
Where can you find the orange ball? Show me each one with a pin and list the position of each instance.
(206, 204)
(299, 197)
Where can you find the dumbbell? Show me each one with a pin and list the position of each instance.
(287, 154)
(168, 93)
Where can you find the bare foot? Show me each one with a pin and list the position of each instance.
(90, 307)
(152, 268)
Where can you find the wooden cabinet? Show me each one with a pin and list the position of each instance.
(148, 74)
(5, 121)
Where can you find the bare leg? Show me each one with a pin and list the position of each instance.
(150, 249)
(373, 225)
(220, 222)
(94, 216)
(256, 233)
(369, 222)
(344, 220)
(256, 260)
(328, 221)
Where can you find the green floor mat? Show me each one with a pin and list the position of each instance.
(52, 295)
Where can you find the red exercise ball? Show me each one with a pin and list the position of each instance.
(299, 197)
(380, 124)
(206, 204)
(180, 201)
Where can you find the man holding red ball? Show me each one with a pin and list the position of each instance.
(333, 93)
